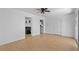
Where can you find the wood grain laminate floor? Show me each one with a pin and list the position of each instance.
(43, 42)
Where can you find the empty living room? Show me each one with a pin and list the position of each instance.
(39, 29)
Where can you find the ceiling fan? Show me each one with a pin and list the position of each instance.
(43, 10)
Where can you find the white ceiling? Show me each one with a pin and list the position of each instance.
(29, 10)
(53, 10)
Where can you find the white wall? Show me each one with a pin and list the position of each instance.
(35, 25)
(53, 24)
(60, 24)
(12, 25)
(76, 25)
(68, 25)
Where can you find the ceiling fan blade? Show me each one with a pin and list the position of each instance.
(47, 11)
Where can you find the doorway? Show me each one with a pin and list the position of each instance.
(27, 26)
(41, 26)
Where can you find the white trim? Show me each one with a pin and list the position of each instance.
(7, 42)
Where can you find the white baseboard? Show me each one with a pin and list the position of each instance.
(7, 42)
